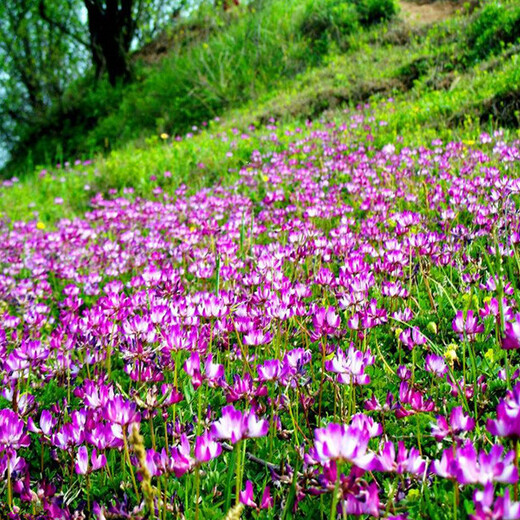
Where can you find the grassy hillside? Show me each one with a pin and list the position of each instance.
(216, 60)
(287, 62)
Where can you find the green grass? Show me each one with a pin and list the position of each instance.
(437, 91)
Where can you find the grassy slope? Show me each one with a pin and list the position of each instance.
(216, 60)
(439, 90)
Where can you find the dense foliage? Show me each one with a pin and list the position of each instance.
(213, 60)
(46, 46)
(38, 62)
(496, 27)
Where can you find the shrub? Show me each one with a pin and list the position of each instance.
(375, 11)
(329, 21)
(496, 26)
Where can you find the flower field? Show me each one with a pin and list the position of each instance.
(332, 335)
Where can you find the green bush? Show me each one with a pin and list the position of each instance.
(329, 21)
(332, 21)
(495, 26)
(375, 11)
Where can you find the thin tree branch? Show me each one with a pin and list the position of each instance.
(60, 26)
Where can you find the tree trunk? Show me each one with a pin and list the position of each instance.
(111, 29)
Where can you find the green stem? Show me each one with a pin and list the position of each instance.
(152, 431)
(413, 365)
(197, 491)
(419, 434)
(108, 361)
(199, 410)
(186, 493)
(271, 429)
(352, 399)
(242, 466)
(334, 502)
(508, 370)
(88, 493)
(237, 473)
(230, 472)
(323, 352)
(166, 437)
(129, 462)
(455, 499)
(475, 382)
(295, 426)
(9, 486)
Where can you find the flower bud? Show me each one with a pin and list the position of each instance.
(432, 327)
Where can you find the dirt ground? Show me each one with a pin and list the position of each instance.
(425, 13)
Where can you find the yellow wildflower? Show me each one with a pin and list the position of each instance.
(414, 495)
(451, 353)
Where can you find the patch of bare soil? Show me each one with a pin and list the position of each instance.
(426, 13)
